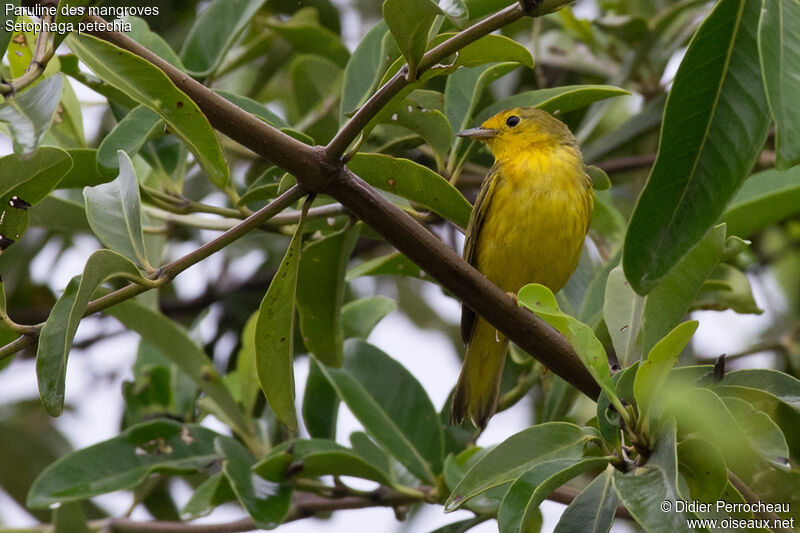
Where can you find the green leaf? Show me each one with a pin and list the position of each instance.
(765, 198)
(141, 33)
(7, 15)
(634, 128)
(360, 317)
(779, 52)
(704, 156)
(662, 358)
(416, 114)
(608, 419)
(265, 501)
(249, 387)
(593, 509)
(764, 435)
(643, 490)
(779, 384)
(70, 13)
(456, 467)
(410, 22)
(176, 345)
(149, 86)
(519, 510)
(727, 288)
(214, 32)
(320, 294)
(320, 404)
(311, 458)
(364, 69)
(68, 121)
(129, 135)
(275, 335)
(414, 182)
(600, 180)
(30, 113)
(782, 413)
(541, 301)
(58, 332)
(622, 311)
(29, 442)
(114, 213)
(488, 49)
(209, 494)
(394, 263)
(124, 461)
(264, 187)
(314, 80)
(703, 467)
(376, 455)
(69, 518)
(555, 100)
(666, 306)
(60, 215)
(516, 455)
(325, 11)
(370, 382)
(309, 37)
(24, 182)
(70, 66)
(714, 423)
(255, 108)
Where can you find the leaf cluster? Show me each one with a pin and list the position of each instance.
(303, 282)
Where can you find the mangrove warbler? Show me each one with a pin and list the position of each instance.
(527, 226)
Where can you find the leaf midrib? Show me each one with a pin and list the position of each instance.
(711, 117)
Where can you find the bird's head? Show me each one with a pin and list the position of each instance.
(520, 128)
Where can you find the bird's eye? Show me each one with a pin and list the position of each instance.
(512, 121)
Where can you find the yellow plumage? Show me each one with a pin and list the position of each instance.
(527, 226)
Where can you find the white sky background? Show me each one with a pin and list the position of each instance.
(427, 354)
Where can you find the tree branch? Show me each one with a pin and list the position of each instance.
(391, 88)
(314, 170)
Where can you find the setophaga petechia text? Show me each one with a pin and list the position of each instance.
(528, 226)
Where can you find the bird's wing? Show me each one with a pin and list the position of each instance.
(473, 230)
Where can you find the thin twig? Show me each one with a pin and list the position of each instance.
(169, 271)
(767, 346)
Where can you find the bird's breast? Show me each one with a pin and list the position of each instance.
(536, 221)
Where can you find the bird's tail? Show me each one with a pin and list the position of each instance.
(478, 387)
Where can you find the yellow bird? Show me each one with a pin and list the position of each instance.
(528, 226)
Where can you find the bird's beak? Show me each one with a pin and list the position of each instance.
(478, 133)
